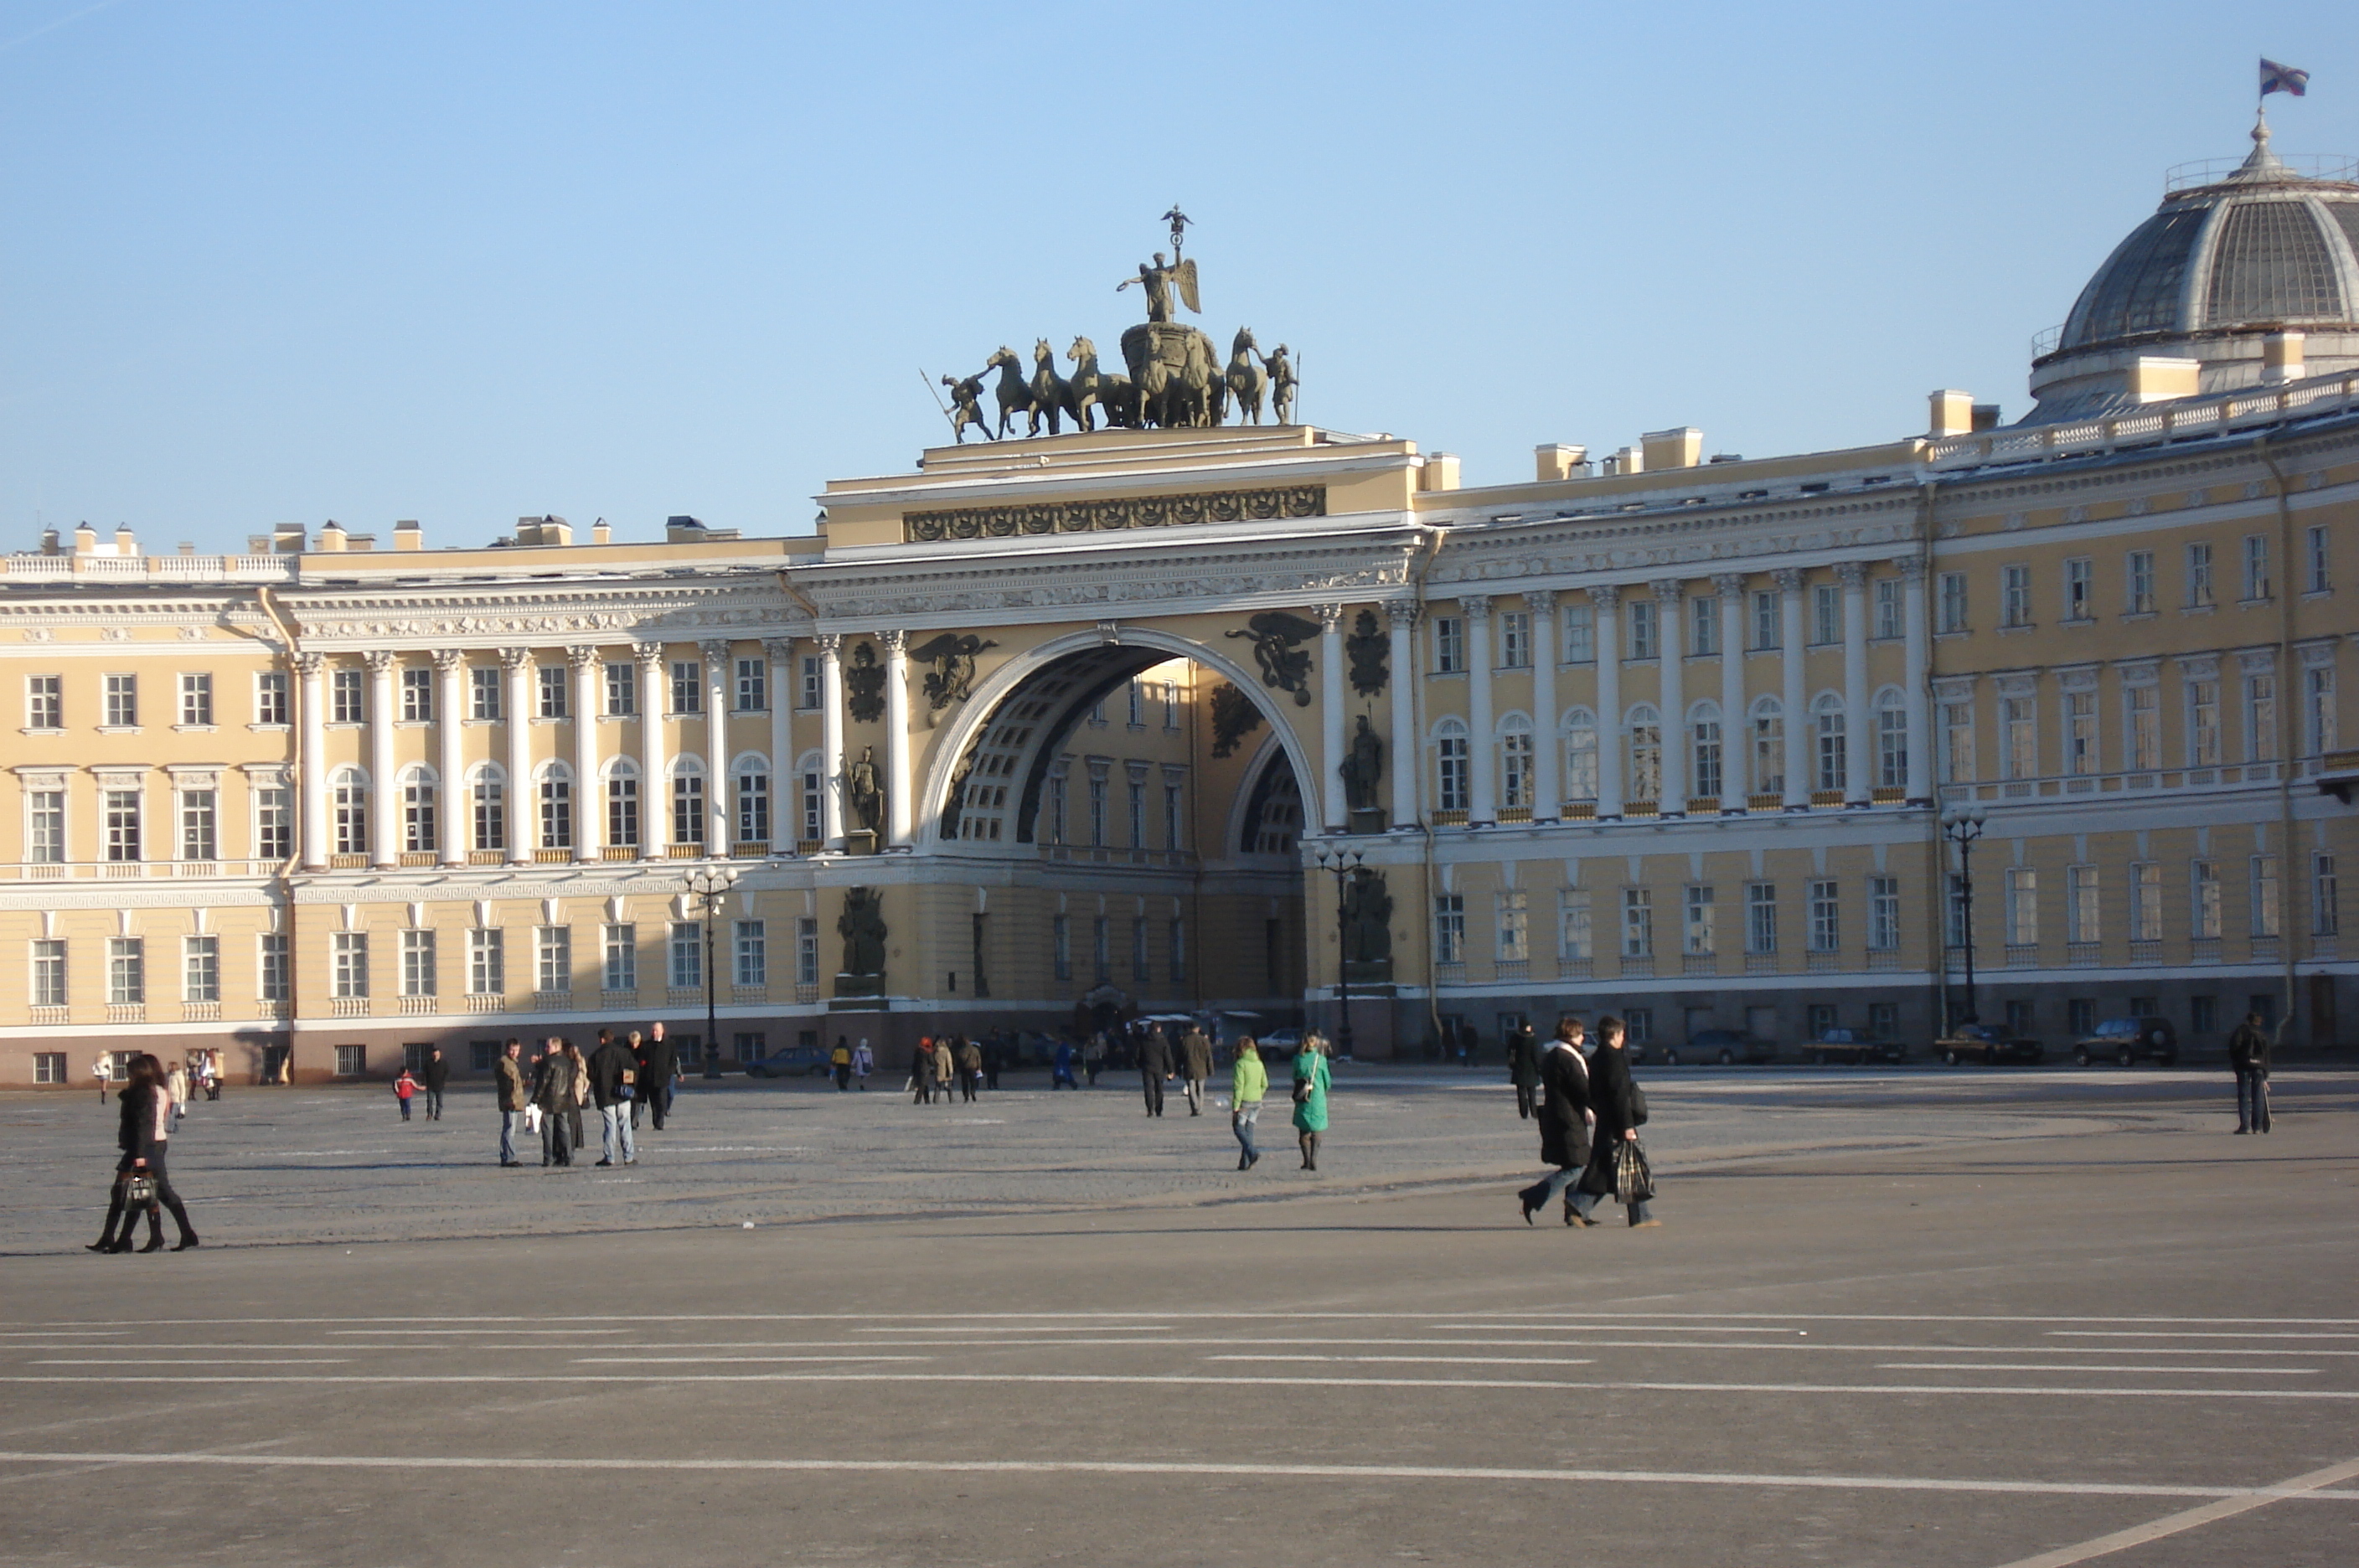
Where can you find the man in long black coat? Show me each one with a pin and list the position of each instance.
(1564, 1117)
(659, 1065)
(1154, 1067)
(1523, 1069)
(1614, 1097)
(2248, 1056)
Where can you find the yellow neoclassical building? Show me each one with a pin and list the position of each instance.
(1047, 731)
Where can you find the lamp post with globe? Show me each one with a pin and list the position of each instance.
(710, 883)
(1961, 825)
(1344, 866)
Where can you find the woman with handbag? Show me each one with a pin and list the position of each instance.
(140, 1182)
(1310, 1085)
(1621, 1108)
(1564, 1116)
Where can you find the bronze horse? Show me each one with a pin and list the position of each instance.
(1051, 394)
(1015, 395)
(1246, 380)
(1094, 388)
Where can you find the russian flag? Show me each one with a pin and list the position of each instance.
(2276, 78)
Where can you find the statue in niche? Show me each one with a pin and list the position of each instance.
(1367, 919)
(1285, 666)
(1368, 649)
(861, 926)
(863, 684)
(1363, 767)
(864, 789)
(1234, 717)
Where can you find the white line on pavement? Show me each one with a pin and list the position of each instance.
(2313, 1484)
(2051, 1367)
(1425, 1360)
(2182, 1334)
(662, 1360)
(133, 1358)
(1065, 1341)
(1506, 1318)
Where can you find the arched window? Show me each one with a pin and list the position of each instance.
(1768, 717)
(623, 803)
(1515, 761)
(487, 790)
(1645, 730)
(419, 835)
(1891, 739)
(1580, 728)
(810, 776)
(687, 800)
(1828, 713)
(556, 793)
(348, 790)
(1452, 759)
(749, 781)
(1703, 739)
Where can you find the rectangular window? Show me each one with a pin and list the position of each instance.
(2146, 902)
(1699, 933)
(2318, 709)
(418, 835)
(1449, 645)
(127, 971)
(621, 688)
(552, 687)
(488, 962)
(2325, 899)
(687, 969)
(416, 694)
(2080, 1015)
(1515, 926)
(621, 943)
(623, 813)
(1138, 802)
(352, 1060)
(807, 951)
(1052, 807)
(2082, 912)
(750, 1045)
(122, 807)
(48, 1067)
(1761, 917)
(1171, 706)
(2015, 595)
(49, 972)
(2198, 576)
(2204, 912)
(1138, 705)
(2139, 590)
(2022, 906)
(1958, 741)
(1644, 621)
(348, 802)
(45, 702)
(1101, 950)
(688, 686)
(1450, 927)
(1954, 601)
(753, 686)
(811, 682)
(1572, 939)
(2256, 567)
(1579, 633)
(1819, 1018)
(1953, 913)
(750, 950)
(1515, 769)
(1887, 607)
(1174, 820)
(688, 809)
(2020, 735)
(197, 700)
(814, 806)
(122, 700)
(417, 970)
(270, 697)
(2319, 576)
(1514, 641)
(2080, 602)
(557, 813)
(349, 965)
(2080, 732)
(45, 828)
(1061, 944)
(1178, 944)
(1704, 780)
(347, 697)
(1138, 970)
(1638, 923)
(2260, 718)
(2202, 723)
(270, 967)
(200, 836)
(490, 802)
(752, 808)
(2145, 708)
(1097, 811)
(1703, 629)
(1826, 614)
(483, 692)
(1640, 1025)
(200, 969)
(1768, 621)
(1826, 916)
(2265, 921)
(1453, 762)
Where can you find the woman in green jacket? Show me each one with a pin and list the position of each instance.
(1249, 1083)
(1310, 1085)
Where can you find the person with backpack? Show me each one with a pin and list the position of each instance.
(839, 1064)
(2248, 1056)
(1621, 1110)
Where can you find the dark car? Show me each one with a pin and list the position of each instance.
(2126, 1041)
(1980, 1042)
(1852, 1046)
(1724, 1046)
(796, 1061)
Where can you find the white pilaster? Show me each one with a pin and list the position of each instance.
(1548, 746)
(589, 822)
(1790, 659)
(1482, 752)
(719, 831)
(781, 654)
(1401, 616)
(1610, 729)
(830, 667)
(1859, 731)
(451, 759)
(524, 813)
(385, 796)
(1736, 727)
(1917, 638)
(1337, 804)
(654, 777)
(1672, 616)
(899, 820)
(311, 669)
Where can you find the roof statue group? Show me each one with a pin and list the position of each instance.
(1177, 379)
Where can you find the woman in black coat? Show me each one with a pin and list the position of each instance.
(1614, 1097)
(142, 1131)
(1564, 1116)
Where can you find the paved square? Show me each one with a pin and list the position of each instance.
(1913, 1317)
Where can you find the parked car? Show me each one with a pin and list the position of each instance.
(796, 1061)
(1980, 1042)
(1724, 1046)
(2124, 1040)
(1852, 1046)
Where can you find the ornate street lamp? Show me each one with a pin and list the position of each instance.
(1961, 825)
(710, 883)
(1343, 866)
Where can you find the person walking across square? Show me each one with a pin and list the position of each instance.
(1195, 1067)
(404, 1088)
(1154, 1068)
(970, 1070)
(438, 1078)
(613, 1084)
(1248, 1086)
(2248, 1056)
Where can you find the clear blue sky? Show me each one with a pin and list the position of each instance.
(277, 261)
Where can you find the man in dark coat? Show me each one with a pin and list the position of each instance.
(437, 1077)
(513, 1096)
(659, 1065)
(1154, 1068)
(1564, 1115)
(1524, 1066)
(552, 1090)
(1613, 1097)
(2248, 1055)
(1196, 1064)
(614, 1088)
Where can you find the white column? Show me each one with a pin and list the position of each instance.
(1736, 727)
(589, 822)
(1671, 624)
(783, 816)
(1920, 657)
(450, 714)
(718, 839)
(899, 820)
(1608, 601)
(1331, 717)
(1859, 732)
(1401, 614)
(384, 808)
(1790, 657)
(313, 670)
(1548, 745)
(830, 672)
(1482, 750)
(655, 778)
(522, 801)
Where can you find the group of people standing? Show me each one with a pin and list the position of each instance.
(944, 1064)
(1589, 1108)
(1250, 1086)
(620, 1077)
(145, 1115)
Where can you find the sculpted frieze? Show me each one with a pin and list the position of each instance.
(1115, 514)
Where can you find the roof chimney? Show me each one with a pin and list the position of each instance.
(407, 535)
(1554, 462)
(287, 538)
(126, 541)
(1441, 472)
(601, 533)
(2158, 378)
(85, 540)
(1986, 417)
(2281, 357)
(1679, 448)
(332, 534)
(1953, 414)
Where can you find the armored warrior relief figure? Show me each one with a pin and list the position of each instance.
(1281, 386)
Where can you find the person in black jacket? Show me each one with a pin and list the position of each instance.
(142, 1132)
(614, 1088)
(2248, 1055)
(437, 1077)
(1613, 1097)
(552, 1090)
(1524, 1065)
(1564, 1115)
(659, 1065)
(1154, 1068)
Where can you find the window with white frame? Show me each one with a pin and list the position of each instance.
(1514, 641)
(552, 949)
(623, 808)
(1952, 597)
(484, 694)
(418, 976)
(753, 692)
(1135, 799)
(2015, 595)
(1699, 929)
(810, 682)
(551, 684)
(1638, 923)
(1642, 616)
(1515, 762)
(2198, 576)
(488, 969)
(270, 697)
(1891, 741)
(1887, 607)
(45, 702)
(1704, 753)
(1826, 916)
(1954, 912)
(418, 824)
(270, 965)
(347, 696)
(2019, 737)
(1826, 614)
(1760, 917)
(200, 825)
(44, 826)
(688, 686)
(1054, 805)
(127, 971)
(197, 700)
(753, 804)
(2202, 723)
(687, 803)
(348, 963)
(1514, 931)
(1449, 645)
(621, 688)
(2082, 905)
(2260, 718)
(1768, 729)
(2318, 577)
(2081, 732)
(2142, 708)
(1579, 633)
(489, 807)
(121, 809)
(1450, 927)
(2325, 898)
(122, 702)
(201, 968)
(687, 968)
(2138, 592)
(807, 951)
(750, 952)
(1136, 693)
(348, 799)
(1884, 914)
(1097, 805)
(2080, 583)
(2145, 902)
(1573, 934)
(416, 694)
(1061, 946)
(1645, 733)
(1703, 629)
(814, 800)
(2264, 908)
(620, 943)
(2203, 913)
(1768, 621)
(1580, 755)
(2318, 709)
(556, 809)
(1175, 820)
(1453, 767)
(2256, 567)
(49, 988)
(1833, 744)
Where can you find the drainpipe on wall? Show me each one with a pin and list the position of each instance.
(286, 873)
(1936, 868)
(1424, 819)
(2289, 714)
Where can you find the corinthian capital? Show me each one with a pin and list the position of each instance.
(515, 659)
(1851, 573)
(1540, 601)
(1729, 585)
(1401, 612)
(1330, 616)
(1788, 579)
(1475, 606)
(580, 656)
(1606, 597)
(379, 661)
(1668, 589)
